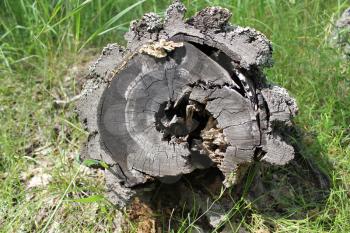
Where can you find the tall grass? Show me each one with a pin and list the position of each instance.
(40, 42)
(34, 30)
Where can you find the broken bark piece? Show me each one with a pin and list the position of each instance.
(340, 37)
(211, 18)
(183, 96)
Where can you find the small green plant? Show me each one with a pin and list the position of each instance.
(95, 163)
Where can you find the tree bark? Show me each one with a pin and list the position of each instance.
(184, 95)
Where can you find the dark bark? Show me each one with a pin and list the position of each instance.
(184, 95)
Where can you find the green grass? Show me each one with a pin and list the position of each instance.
(41, 42)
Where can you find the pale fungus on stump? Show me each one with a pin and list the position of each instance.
(183, 96)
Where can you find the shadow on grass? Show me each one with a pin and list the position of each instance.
(296, 190)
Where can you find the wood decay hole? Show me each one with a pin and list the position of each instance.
(188, 121)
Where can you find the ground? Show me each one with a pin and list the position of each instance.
(44, 48)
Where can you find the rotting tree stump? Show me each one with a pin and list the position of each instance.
(183, 96)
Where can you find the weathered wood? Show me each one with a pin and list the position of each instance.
(340, 36)
(184, 95)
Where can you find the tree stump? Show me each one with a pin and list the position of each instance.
(183, 96)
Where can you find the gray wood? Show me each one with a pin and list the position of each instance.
(340, 35)
(206, 103)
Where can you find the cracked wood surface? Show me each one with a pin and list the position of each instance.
(204, 102)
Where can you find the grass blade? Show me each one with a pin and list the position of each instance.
(90, 199)
(110, 22)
